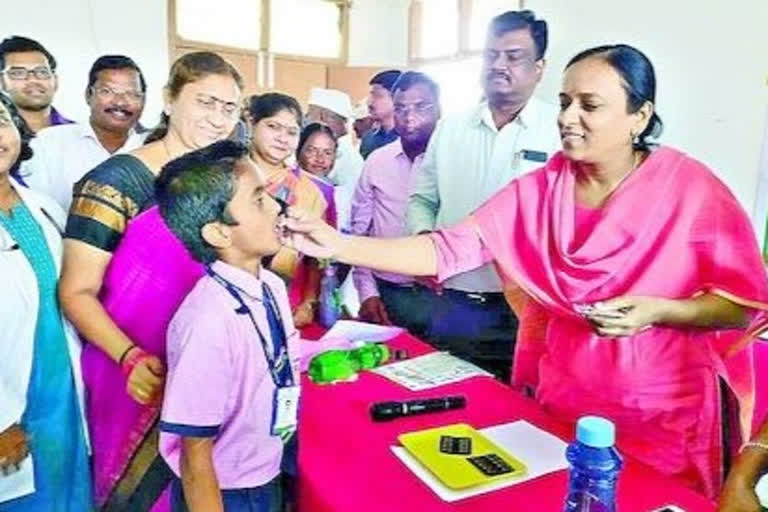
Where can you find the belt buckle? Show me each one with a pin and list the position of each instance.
(479, 297)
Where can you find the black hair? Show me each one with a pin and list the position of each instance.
(195, 189)
(189, 68)
(386, 79)
(261, 106)
(518, 20)
(411, 78)
(637, 78)
(25, 133)
(114, 62)
(18, 44)
(310, 130)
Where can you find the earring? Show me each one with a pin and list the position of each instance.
(634, 138)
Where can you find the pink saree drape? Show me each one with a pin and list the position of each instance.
(149, 275)
(671, 230)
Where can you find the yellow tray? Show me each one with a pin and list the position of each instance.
(455, 471)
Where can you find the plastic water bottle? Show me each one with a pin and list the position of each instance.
(338, 365)
(594, 467)
(330, 304)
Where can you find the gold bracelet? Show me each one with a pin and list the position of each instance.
(754, 444)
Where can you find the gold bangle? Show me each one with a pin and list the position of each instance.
(754, 444)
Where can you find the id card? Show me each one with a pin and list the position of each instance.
(285, 410)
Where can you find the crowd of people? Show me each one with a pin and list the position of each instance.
(155, 280)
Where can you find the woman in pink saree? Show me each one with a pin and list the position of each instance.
(125, 274)
(643, 271)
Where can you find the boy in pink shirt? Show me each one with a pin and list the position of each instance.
(232, 392)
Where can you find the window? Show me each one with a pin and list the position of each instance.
(234, 23)
(439, 28)
(452, 29)
(482, 11)
(311, 28)
(298, 28)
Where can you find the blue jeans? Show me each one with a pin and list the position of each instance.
(479, 328)
(266, 498)
(407, 306)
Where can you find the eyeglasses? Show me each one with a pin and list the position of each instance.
(107, 93)
(228, 108)
(21, 73)
(419, 109)
(513, 58)
(313, 152)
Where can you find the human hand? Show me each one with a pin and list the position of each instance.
(373, 310)
(738, 496)
(304, 314)
(309, 235)
(14, 448)
(146, 377)
(625, 316)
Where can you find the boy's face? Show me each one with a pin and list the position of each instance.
(255, 212)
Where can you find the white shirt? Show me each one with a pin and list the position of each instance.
(467, 161)
(345, 175)
(64, 154)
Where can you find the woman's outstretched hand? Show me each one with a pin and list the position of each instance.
(309, 235)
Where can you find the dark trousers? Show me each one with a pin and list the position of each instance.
(479, 328)
(265, 498)
(407, 306)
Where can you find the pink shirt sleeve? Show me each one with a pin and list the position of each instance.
(200, 374)
(459, 249)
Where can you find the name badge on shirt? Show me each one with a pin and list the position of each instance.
(534, 156)
(285, 410)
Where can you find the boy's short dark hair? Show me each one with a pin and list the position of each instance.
(195, 189)
(19, 44)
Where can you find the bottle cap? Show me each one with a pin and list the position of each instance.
(596, 432)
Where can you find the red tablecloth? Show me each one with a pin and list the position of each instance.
(345, 461)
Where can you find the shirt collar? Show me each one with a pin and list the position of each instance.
(86, 131)
(56, 118)
(524, 118)
(248, 283)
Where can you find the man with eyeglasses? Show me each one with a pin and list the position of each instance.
(472, 156)
(381, 111)
(28, 76)
(380, 201)
(64, 154)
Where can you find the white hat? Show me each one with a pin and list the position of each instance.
(331, 99)
(361, 110)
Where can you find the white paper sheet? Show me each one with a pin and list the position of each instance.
(361, 331)
(429, 371)
(542, 452)
(19, 483)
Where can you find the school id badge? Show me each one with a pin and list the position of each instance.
(285, 411)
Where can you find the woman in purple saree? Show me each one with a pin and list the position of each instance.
(124, 275)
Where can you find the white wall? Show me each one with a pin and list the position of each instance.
(76, 32)
(378, 33)
(711, 66)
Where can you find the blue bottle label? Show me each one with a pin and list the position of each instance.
(582, 501)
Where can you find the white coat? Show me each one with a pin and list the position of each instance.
(19, 303)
